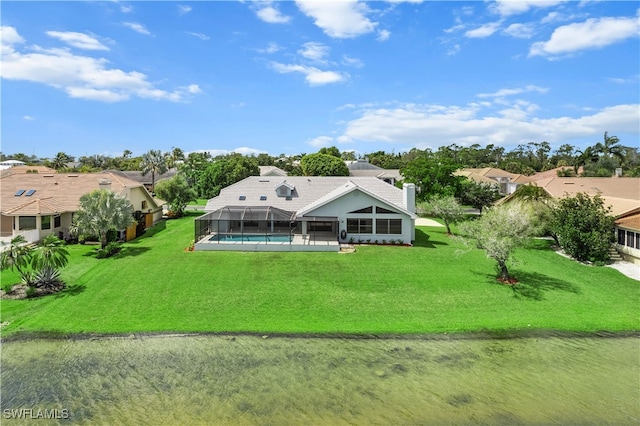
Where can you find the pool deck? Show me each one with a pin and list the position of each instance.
(299, 243)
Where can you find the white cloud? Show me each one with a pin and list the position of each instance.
(183, 9)
(9, 36)
(383, 35)
(485, 30)
(126, 8)
(519, 30)
(313, 76)
(514, 7)
(339, 19)
(510, 92)
(199, 35)
(272, 47)
(268, 13)
(139, 28)
(82, 76)
(315, 51)
(352, 62)
(477, 123)
(321, 141)
(28, 117)
(590, 34)
(79, 40)
(453, 50)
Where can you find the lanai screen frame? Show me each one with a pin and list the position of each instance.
(209, 223)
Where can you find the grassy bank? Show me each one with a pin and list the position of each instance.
(155, 286)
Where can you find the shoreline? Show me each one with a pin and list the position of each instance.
(464, 335)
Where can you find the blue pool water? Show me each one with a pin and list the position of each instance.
(251, 238)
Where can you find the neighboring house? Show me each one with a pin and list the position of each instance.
(622, 194)
(627, 229)
(144, 179)
(36, 205)
(271, 171)
(306, 213)
(508, 182)
(7, 164)
(27, 169)
(362, 168)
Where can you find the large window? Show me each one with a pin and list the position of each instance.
(360, 226)
(320, 226)
(388, 226)
(630, 239)
(45, 222)
(364, 210)
(56, 221)
(26, 222)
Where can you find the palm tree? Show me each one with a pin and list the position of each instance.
(60, 161)
(588, 155)
(18, 255)
(155, 163)
(100, 211)
(609, 147)
(50, 253)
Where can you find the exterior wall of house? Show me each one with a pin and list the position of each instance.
(357, 200)
(6, 226)
(628, 243)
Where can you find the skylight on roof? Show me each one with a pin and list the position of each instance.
(242, 197)
(30, 193)
(263, 198)
(20, 192)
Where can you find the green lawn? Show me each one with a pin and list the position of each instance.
(154, 285)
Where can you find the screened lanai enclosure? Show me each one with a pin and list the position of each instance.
(264, 228)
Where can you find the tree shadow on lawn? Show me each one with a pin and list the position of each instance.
(534, 285)
(128, 251)
(71, 290)
(423, 240)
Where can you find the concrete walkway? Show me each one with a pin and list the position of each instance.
(422, 221)
(629, 269)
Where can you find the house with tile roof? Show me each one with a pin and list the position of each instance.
(306, 213)
(36, 205)
(507, 182)
(622, 194)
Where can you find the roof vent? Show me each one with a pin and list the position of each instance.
(242, 197)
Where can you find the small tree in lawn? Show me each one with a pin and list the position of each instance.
(18, 256)
(584, 227)
(499, 232)
(100, 211)
(446, 208)
(177, 192)
(478, 195)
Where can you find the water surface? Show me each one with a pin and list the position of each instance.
(253, 380)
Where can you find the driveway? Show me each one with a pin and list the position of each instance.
(421, 221)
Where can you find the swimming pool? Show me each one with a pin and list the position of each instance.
(251, 238)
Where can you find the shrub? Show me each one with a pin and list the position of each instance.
(31, 291)
(109, 250)
(49, 278)
(112, 235)
(7, 287)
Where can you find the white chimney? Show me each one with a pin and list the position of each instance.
(409, 196)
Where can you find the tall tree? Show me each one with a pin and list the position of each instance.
(224, 172)
(323, 165)
(100, 211)
(478, 195)
(177, 192)
(499, 232)
(60, 160)
(155, 163)
(609, 147)
(431, 177)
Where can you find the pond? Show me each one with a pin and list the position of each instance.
(204, 379)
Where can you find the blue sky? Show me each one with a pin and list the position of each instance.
(293, 76)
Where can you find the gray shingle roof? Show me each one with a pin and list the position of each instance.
(309, 191)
